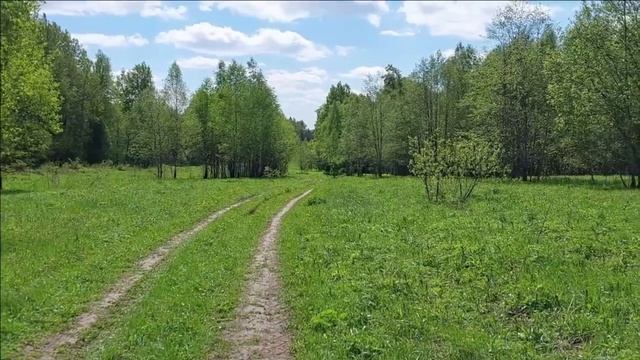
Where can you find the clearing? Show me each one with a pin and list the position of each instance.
(369, 268)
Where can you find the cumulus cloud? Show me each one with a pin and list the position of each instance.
(114, 8)
(344, 50)
(272, 11)
(447, 53)
(104, 40)
(361, 72)
(198, 62)
(466, 19)
(374, 19)
(206, 38)
(396, 33)
(289, 11)
(300, 92)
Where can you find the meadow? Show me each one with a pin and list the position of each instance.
(67, 235)
(370, 268)
(524, 270)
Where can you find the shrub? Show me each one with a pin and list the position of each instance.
(453, 166)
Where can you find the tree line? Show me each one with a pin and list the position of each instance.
(59, 105)
(553, 102)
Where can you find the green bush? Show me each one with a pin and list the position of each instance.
(453, 167)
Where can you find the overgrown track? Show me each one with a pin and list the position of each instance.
(259, 330)
(47, 349)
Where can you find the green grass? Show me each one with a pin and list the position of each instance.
(179, 312)
(541, 270)
(67, 236)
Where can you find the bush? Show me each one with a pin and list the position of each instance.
(453, 167)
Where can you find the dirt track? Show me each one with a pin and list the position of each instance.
(99, 309)
(259, 330)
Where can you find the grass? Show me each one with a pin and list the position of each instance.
(179, 312)
(68, 235)
(540, 270)
(543, 270)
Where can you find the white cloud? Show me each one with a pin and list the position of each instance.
(206, 38)
(447, 53)
(466, 19)
(300, 92)
(272, 11)
(104, 40)
(396, 33)
(374, 19)
(289, 11)
(115, 8)
(361, 72)
(296, 81)
(344, 50)
(158, 82)
(198, 62)
(162, 11)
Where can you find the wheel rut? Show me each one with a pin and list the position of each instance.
(259, 330)
(98, 310)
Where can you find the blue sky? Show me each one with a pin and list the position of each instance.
(302, 47)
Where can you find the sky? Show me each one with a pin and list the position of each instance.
(302, 47)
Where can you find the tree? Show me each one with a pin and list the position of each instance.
(329, 129)
(510, 93)
(129, 87)
(201, 107)
(29, 95)
(175, 95)
(595, 88)
(73, 71)
(101, 109)
(377, 121)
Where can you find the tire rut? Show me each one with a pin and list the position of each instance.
(48, 348)
(259, 330)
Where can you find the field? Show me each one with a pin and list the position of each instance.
(522, 271)
(370, 269)
(67, 237)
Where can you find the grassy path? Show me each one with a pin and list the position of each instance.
(101, 307)
(259, 330)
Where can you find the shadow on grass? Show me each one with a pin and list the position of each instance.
(14, 191)
(598, 183)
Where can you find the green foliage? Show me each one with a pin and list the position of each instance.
(29, 101)
(453, 166)
(241, 125)
(370, 132)
(553, 104)
(597, 98)
(508, 94)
